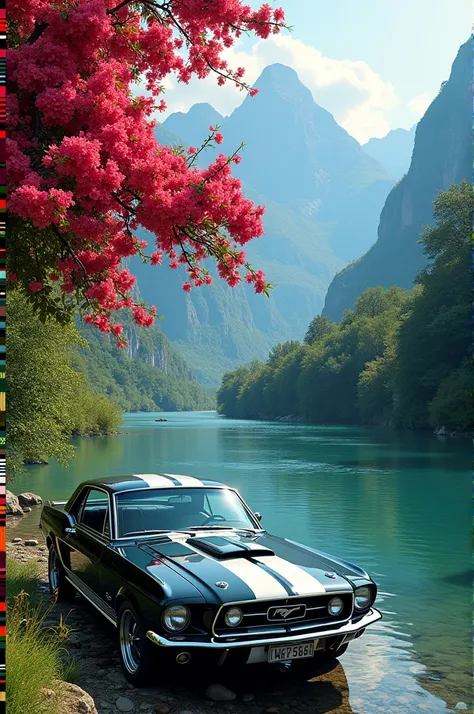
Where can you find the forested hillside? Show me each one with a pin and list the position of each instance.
(148, 375)
(399, 357)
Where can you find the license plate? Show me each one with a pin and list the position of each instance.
(279, 654)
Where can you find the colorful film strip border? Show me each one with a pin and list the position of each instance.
(2, 349)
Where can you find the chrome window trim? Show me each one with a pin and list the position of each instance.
(258, 530)
(89, 487)
(290, 597)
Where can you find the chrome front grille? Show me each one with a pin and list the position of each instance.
(256, 621)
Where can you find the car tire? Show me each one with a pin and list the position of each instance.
(60, 588)
(136, 652)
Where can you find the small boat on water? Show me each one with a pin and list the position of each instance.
(161, 419)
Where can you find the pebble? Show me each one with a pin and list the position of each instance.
(461, 705)
(16, 540)
(271, 710)
(124, 704)
(219, 693)
(31, 542)
(162, 709)
(248, 697)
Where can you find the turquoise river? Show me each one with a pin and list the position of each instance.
(398, 504)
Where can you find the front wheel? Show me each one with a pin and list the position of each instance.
(136, 651)
(59, 588)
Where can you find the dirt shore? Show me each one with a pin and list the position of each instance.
(258, 690)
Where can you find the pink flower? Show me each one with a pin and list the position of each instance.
(35, 286)
(100, 178)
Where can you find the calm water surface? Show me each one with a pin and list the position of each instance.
(397, 504)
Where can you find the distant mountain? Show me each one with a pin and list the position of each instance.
(297, 155)
(393, 151)
(323, 195)
(193, 126)
(442, 156)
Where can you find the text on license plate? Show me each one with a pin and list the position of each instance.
(279, 654)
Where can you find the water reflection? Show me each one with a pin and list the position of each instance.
(398, 504)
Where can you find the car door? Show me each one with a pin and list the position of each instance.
(86, 544)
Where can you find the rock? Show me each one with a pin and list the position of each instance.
(13, 507)
(29, 499)
(124, 704)
(26, 509)
(162, 709)
(74, 700)
(461, 705)
(48, 693)
(31, 541)
(17, 540)
(219, 693)
(248, 697)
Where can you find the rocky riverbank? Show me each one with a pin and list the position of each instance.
(250, 690)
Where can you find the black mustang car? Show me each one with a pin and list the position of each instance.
(184, 568)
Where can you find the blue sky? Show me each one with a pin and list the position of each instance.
(374, 64)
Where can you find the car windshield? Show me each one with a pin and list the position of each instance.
(180, 510)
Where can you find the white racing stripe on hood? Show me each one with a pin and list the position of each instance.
(185, 480)
(262, 584)
(154, 480)
(301, 581)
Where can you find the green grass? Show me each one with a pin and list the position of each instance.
(35, 652)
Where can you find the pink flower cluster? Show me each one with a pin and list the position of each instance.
(84, 165)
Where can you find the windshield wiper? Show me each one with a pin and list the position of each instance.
(210, 528)
(222, 528)
(138, 533)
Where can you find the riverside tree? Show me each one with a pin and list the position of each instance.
(85, 168)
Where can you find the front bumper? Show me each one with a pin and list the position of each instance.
(346, 632)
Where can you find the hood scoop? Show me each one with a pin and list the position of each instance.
(223, 548)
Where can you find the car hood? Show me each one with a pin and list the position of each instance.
(234, 567)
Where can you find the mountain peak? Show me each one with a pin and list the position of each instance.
(283, 80)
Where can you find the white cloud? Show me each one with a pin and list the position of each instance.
(419, 104)
(360, 99)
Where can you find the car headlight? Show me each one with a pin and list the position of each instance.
(176, 618)
(335, 606)
(233, 617)
(363, 598)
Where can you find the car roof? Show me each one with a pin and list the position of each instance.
(117, 484)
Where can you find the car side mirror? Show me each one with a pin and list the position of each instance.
(258, 516)
(71, 524)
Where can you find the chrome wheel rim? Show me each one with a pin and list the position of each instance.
(53, 570)
(130, 641)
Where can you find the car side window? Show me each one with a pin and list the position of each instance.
(95, 511)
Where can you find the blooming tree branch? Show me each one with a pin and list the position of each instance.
(85, 169)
